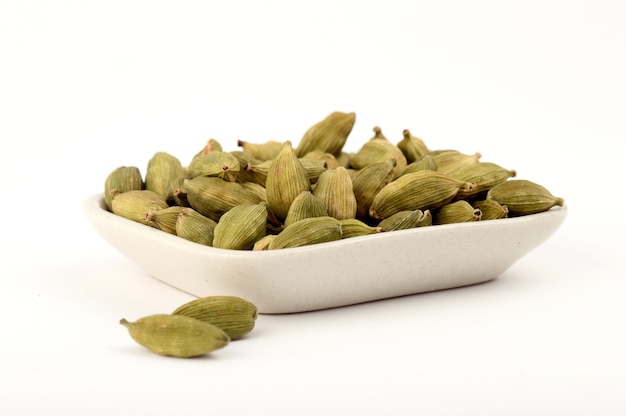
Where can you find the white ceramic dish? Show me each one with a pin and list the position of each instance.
(334, 274)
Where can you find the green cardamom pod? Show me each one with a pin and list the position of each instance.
(405, 220)
(233, 315)
(193, 226)
(261, 151)
(164, 219)
(422, 190)
(223, 165)
(212, 145)
(412, 146)
(176, 335)
(134, 205)
(484, 175)
(448, 161)
(286, 179)
(163, 169)
(241, 227)
(334, 189)
(212, 196)
(426, 162)
(328, 135)
(523, 197)
(491, 209)
(307, 232)
(456, 212)
(306, 205)
(122, 179)
(352, 227)
(379, 150)
(368, 181)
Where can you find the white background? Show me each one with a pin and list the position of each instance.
(536, 86)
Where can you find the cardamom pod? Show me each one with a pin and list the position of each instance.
(328, 135)
(286, 179)
(212, 196)
(334, 189)
(261, 151)
(193, 226)
(164, 219)
(223, 165)
(523, 197)
(163, 169)
(491, 209)
(456, 212)
(368, 181)
(412, 146)
(212, 145)
(307, 232)
(422, 190)
(330, 160)
(484, 175)
(122, 179)
(233, 315)
(426, 162)
(448, 161)
(352, 227)
(306, 205)
(176, 335)
(405, 220)
(379, 150)
(134, 205)
(241, 227)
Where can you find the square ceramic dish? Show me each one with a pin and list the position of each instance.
(334, 274)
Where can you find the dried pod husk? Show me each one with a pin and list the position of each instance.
(134, 205)
(241, 227)
(352, 227)
(423, 190)
(491, 209)
(164, 219)
(306, 232)
(306, 205)
(176, 335)
(212, 145)
(405, 220)
(263, 243)
(523, 197)
(449, 161)
(232, 314)
(122, 179)
(367, 182)
(328, 135)
(456, 212)
(193, 226)
(329, 159)
(485, 175)
(163, 169)
(334, 189)
(212, 196)
(261, 151)
(223, 165)
(413, 147)
(427, 162)
(286, 179)
(379, 150)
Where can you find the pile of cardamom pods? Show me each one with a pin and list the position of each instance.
(272, 195)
